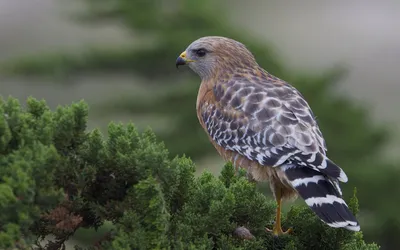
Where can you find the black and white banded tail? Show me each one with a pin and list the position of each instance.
(323, 195)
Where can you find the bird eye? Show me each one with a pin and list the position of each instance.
(201, 52)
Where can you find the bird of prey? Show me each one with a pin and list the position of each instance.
(263, 124)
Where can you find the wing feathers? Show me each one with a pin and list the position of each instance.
(272, 125)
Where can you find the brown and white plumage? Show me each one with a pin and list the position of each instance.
(263, 124)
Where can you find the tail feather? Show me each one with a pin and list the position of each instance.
(320, 163)
(322, 195)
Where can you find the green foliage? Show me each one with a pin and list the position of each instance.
(358, 243)
(161, 32)
(28, 160)
(56, 177)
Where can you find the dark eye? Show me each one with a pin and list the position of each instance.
(201, 52)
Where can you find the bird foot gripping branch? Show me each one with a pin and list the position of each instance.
(277, 228)
(277, 231)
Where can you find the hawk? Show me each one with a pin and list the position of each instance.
(263, 124)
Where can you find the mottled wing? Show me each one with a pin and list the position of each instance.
(266, 122)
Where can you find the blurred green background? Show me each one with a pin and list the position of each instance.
(119, 56)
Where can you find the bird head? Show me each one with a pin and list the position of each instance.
(209, 55)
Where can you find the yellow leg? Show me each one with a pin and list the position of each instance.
(277, 229)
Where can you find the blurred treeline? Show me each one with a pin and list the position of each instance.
(165, 29)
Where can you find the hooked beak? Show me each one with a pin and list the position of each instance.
(182, 60)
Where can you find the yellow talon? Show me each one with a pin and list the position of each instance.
(277, 229)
